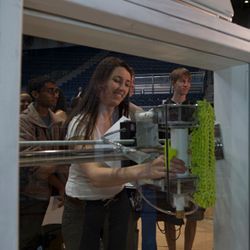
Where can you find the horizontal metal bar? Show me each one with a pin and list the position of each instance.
(57, 157)
(62, 157)
(71, 142)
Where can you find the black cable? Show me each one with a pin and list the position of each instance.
(167, 179)
(163, 231)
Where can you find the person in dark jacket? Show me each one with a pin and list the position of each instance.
(38, 123)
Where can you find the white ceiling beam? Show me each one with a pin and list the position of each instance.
(186, 36)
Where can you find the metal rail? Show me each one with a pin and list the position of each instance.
(70, 142)
(58, 157)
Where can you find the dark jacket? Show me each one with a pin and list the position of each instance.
(33, 128)
(34, 180)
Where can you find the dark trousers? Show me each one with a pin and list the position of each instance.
(31, 215)
(86, 222)
(148, 220)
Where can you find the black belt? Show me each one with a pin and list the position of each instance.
(73, 200)
(104, 202)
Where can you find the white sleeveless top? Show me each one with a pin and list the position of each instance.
(78, 185)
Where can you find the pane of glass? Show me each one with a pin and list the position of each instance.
(60, 74)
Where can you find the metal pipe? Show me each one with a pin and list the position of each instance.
(75, 142)
(58, 157)
(70, 142)
(52, 157)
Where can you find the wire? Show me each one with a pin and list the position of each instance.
(163, 210)
(152, 205)
(163, 231)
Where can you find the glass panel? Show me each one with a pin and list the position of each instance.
(105, 204)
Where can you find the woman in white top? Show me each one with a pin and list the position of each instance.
(95, 191)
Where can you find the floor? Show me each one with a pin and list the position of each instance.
(203, 239)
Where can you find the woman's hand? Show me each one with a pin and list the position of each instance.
(177, 166)
(155, 169)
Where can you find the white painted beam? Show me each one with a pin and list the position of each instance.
(10, 65)
(162, 21)
(77, 32)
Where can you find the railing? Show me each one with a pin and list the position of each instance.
(161, 84)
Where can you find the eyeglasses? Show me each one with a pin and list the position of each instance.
(52, 91)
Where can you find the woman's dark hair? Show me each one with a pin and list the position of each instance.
(89, 103)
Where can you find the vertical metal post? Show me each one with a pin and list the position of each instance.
(10, 67)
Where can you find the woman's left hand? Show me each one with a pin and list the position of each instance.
(177, 166)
